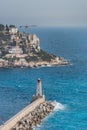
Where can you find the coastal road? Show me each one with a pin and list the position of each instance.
(12, 122)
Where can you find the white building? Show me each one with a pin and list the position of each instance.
(34, 41)
(13, 37)
(16, 50)
(39, 93)
(13, 30)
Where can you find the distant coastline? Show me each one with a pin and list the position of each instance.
(23, 50)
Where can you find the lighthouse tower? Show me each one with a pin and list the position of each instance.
(39, 88)
(39, 93)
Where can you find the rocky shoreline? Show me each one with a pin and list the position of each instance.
(23, 50)
(34, 118)
(32, 64)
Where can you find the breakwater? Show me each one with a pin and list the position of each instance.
(35, 117)
(32, 115)
(13, 121)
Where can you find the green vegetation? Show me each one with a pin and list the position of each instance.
(30, 50)
(32, 58)
(40, 56)
(12, 26)
(11, 59)
(45, 56)
(2, 27)
(4, 37)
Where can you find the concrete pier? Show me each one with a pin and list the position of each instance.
(32, 115)
(13, 121)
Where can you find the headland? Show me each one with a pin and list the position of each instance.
(19, 49)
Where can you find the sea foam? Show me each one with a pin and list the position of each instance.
(58, 106)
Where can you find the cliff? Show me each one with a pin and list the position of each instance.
(23, 50)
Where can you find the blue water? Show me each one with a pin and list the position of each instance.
(65, 84)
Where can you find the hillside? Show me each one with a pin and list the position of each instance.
(23, 50)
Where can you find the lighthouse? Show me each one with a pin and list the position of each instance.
(39, 93)
(39, 88)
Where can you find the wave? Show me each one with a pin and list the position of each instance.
(58, 106)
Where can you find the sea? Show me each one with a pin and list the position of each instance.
(64, 85)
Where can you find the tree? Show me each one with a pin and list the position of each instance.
(12, 26)
(7, 28)
(2, 27)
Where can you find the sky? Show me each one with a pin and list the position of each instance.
(44, 12)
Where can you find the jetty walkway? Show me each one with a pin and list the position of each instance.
(13, 121)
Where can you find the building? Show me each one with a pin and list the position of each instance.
(39, 93)
(13, 31)
(15, 50)
(34, 42)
